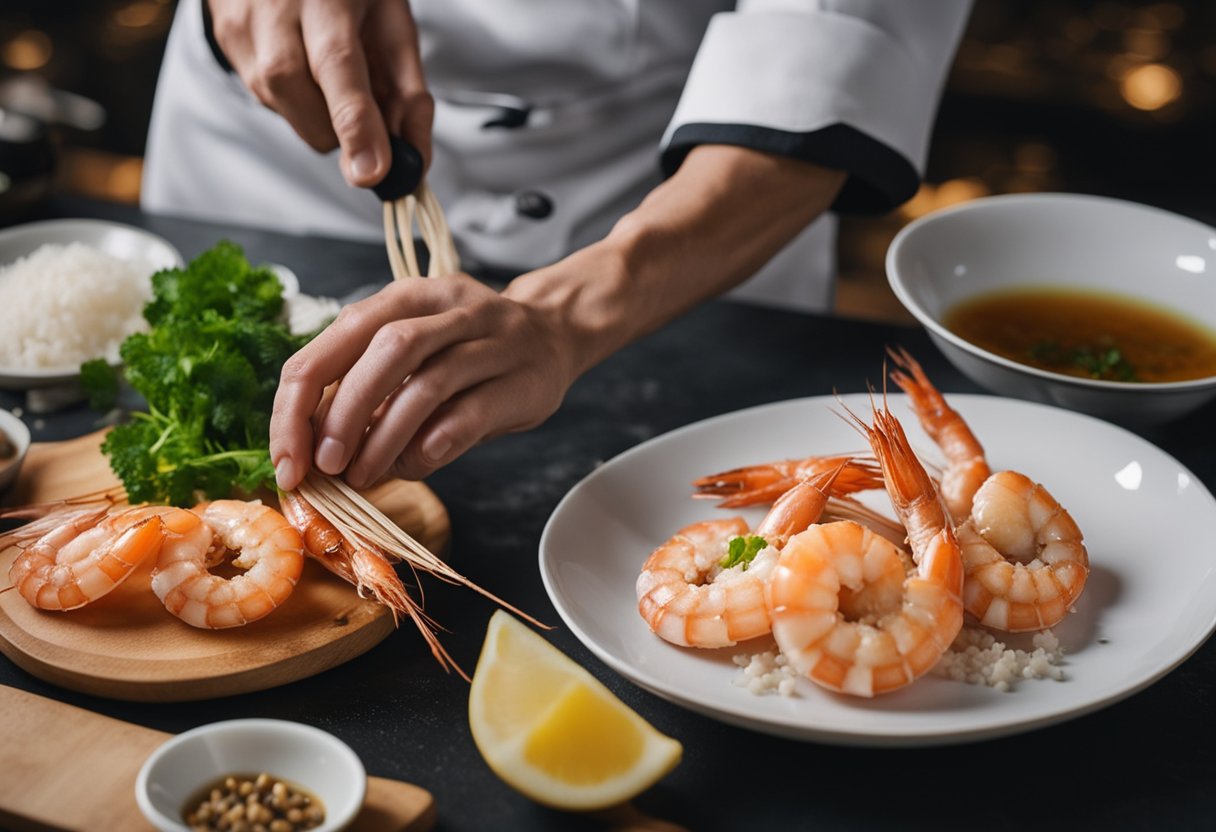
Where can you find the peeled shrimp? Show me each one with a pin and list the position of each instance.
(269, 550)
(86, 555)
(764, 483)
(848, 610)
(1023, 555)
(688, 597)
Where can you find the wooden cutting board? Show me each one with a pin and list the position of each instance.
(66, 768)
(127, 646)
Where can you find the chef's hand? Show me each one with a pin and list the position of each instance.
(429, 367)
(341, 72)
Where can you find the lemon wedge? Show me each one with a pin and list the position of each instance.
(552, 731)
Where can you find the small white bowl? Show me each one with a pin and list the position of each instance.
(19, 437)
(122, 241)
(300, 754)
(1068, 241)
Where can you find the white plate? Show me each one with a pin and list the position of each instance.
(1149, 603)
(121, 241)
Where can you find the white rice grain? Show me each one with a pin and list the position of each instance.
(978, 658)
(66, 304)
(767, 672)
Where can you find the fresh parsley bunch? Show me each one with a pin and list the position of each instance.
(208, 367)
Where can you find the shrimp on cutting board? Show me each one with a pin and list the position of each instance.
(81, 555)
(268, 550)
(850, 610)
(1024, 556)
(691, 592)
(364, 567)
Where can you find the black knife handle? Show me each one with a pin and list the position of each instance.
(404, 173)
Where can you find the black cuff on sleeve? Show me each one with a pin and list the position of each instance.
(212, 43)
(879, 178)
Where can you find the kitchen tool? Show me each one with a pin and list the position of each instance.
(126, 646)
(67, 768)
(408, 199)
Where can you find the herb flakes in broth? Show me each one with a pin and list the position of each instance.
(1086, 333)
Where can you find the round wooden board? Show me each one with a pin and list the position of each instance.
(126, 646)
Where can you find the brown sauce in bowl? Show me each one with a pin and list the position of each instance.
(1088, 334)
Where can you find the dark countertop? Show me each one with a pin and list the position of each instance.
(1147, 762)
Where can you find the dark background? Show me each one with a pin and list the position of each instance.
(1103, 97)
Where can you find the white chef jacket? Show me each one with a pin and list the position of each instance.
(555, 117)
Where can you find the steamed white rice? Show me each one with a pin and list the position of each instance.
(65, 304)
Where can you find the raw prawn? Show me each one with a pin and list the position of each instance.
(269, 550)
(688, 597)
(85, 554)
(366, 568)
(764, 483)
(848, 610)
(1023, 554)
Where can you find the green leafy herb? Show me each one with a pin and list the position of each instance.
(742, 550)
(208, 368)
(1103, 360)
(101, 382)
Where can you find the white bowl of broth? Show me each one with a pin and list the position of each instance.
(1098, 305)
(196, 777)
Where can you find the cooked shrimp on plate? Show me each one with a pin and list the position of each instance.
(850, 610)
(1023, 554)
(704, 587)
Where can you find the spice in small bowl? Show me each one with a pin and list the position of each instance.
(246, 774)
(256, 803)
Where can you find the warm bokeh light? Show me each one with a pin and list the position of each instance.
(1150, 86)
(932, 197)
(1034, 157)
(139, 14)
(101, 175)
(124, 180)
(29, 50)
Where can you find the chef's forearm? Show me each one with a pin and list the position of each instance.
(718, 219)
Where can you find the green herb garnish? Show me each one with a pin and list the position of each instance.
(1102, 361)
(208, 368)
(742, 550)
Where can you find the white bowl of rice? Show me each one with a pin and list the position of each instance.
(72, 290)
